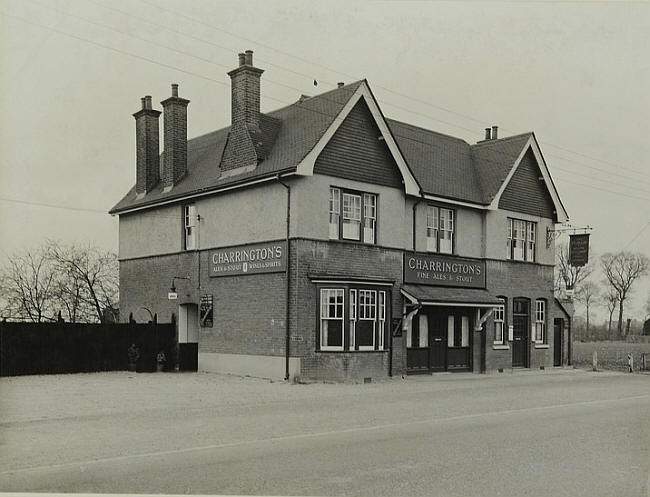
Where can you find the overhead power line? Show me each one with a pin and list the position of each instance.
(355, 77)
(334, 117)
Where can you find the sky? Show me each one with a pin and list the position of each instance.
(73, 72)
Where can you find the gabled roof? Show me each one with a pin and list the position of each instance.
(301, 126)
(494, 159)
(438, 166)
(442, 164)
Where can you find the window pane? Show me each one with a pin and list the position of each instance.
(465, 331)
(351, 229)
(450, 331)
(365, 333)
(424, 330)
(332, 335)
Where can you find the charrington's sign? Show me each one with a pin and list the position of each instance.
(269, 257)
(444, 271)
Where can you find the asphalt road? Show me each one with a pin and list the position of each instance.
(568, 433)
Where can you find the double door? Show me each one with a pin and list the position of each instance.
(439, 339)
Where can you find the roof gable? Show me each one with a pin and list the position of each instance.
(358, 151)
(306, 167)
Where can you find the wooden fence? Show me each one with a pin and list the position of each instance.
(54, 348)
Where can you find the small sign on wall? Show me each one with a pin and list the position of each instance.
(205, 310)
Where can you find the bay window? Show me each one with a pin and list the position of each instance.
(352, 216)
(363, 328)
(440, 230)
(521, 240)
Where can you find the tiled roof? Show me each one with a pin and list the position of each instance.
(301, 125)
(493, 161)
(443, 166)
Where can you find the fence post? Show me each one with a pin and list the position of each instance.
(644, 361)
(594, 360)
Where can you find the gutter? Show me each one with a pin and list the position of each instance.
(288, 275)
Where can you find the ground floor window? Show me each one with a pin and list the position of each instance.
(540, 321)
(364, 326)
(499, 322)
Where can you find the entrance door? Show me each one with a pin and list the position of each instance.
(438, 340)
(458, 340)
(417, 344)
(188, 337)
(558, 329)
(520, 324)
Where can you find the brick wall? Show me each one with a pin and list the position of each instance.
(311, 259)
(249, 310)
(518, 279)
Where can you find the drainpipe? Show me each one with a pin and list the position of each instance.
(286, 319)
(415, 205)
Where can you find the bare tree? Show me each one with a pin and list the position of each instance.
(92, 276)
(28, 283)
(622, 269)
(568, 277)
(587, 295)
(610, 299)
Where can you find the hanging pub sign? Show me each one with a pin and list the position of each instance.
(267, 257)
(444, 271)
(205, 311)
(578, 250)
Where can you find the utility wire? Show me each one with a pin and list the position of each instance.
(334, 117)
(293, 56)
(637, 235)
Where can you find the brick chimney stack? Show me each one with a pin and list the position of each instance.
(246, 92)
(244, 147)
(146, 152)
(175, 134)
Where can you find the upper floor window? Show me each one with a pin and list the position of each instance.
(440, 230)
(189, 222)
(499, 322)
(521, 240)
(352, 215)
(540, 321)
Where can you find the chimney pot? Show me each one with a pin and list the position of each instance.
(242, 59)
(487, 133)
(147, 102)
(249, 57)
(340, 84)
(494, 132)
(144, 105)
(174, 90)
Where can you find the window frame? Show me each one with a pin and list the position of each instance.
(434, 214)
(353, 314)
(528, 241)
(540, 334)
(323, 318)
(190, 221)
(499, 318)
(364, 220)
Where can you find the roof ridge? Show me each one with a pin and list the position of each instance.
(501, 140)
(427, 130)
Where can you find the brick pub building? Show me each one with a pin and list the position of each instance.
(325, 241)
